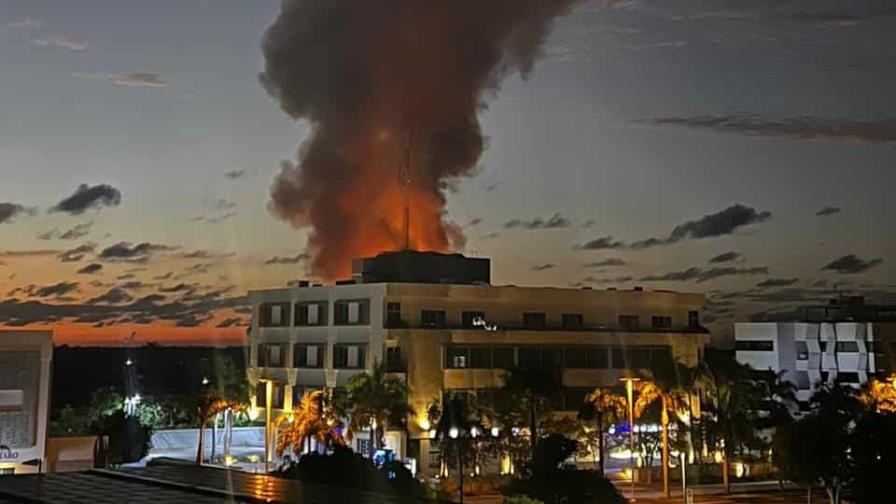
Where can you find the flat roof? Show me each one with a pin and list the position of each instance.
(178, 484)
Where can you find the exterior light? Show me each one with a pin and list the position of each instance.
(453, 433)
(515, 431)
(424, 424)
(205, 380)
(253, 413)
(128, 362)
(474, 431)
(432, 433)
(495, 431)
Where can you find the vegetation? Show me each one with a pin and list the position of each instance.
(532, 388)
(603, 408)
(374, 401)
(312, 418)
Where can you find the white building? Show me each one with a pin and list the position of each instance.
(809, 353)
(25, 360)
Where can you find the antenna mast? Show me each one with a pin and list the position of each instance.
(405, 181)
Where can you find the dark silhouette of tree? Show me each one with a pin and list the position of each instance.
(375, 400)
(532, 388)
(603, 408)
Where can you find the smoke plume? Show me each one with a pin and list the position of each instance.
(368, 75)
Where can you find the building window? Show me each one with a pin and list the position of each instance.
(502, 358)
(572, 321)
(271, 355)
(534, 320)
(802, 380)
(277, 394)
(824, 377)
(273, 315)
(308, 356)
(628, 321)
(457, 357)
(754, 345)
(480, 357)
(551, 358)
(846, 347)
(598, 358)
(348, 356)
(693, 318)
(529, 357)
(662, 322)
(393, 314)
(351, 312)
(311, 314)
(640, 358)
(576, 358)
(432, 318)
(823, 346)
(802, 350)
(843, 377)
(617, 358)
(467, 318)
(394, 360)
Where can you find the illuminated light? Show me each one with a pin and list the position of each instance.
(474, 431)
(740, 470)
(612, 430)
(253, 413)
(515, 431)
(453, 433)
(424, 424)
(496, 432)
(128, 362)
(432, 434)
(717, 456)
(205, 380)
(254, 458)
(229, 460)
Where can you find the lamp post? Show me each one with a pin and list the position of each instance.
(630, 393)
(268, 417)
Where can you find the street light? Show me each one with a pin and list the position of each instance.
(269, 397)
(630, 393)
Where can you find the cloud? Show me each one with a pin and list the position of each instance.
(78, 231)
(138, 79)
(602, 243)
(726, 257)
(87, 197)
(55, 290)
(700, 275)
(588, 224)
(90, 269)
(543, 267)
(230, 322)
(116, 295)
(612, 261)
(214, 219)
(720, 223)
(197, 254)
(851, 264)
(135, 253)
(475, 222)
(556, 221)
(777, 282)
(828, 210)
(9, 211)
(881, 131)
(77, 253)
(287, 259)
(25, 24)
(60, 41)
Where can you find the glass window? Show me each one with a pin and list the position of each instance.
(273, 315)
(393, 314)
(802, 380)
(308, 356)
(529, 357)
(551, 358)
(480, 357)
(640, 358)
(432, 318)
(534, 320)
(754, 345)
(802, 350)
(847, 347)
(575, 358)
(598, 358)
(617, 358)
(847, 377)
(311, 314)
(350, 312)
(457, 357)
(502, 358)
(348, 356)
(628, 321)
(467, 318)
(662, 322)
(572, 321)
(693, 318)
(270, 355)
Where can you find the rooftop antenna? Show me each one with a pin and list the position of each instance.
(404, 175)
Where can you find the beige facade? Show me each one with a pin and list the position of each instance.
(427, 333)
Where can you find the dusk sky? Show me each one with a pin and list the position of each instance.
(742, 149)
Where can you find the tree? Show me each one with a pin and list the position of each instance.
(663, 385)
(312, 418)
(532, 388)
(873, 451)
(880, 395)
(458, 426)
(732, 404)
(206, 407)
(375, 400)
(604, 408)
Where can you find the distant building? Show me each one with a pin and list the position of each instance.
(845, 341)
(25, 361)
(436, 320)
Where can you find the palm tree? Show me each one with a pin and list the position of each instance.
(311, 418)
(207, 406)
(532, 387)
(880, 395)
(457, 423)
(732, 400)
(605, 408)
(375, 400)
(664, 385)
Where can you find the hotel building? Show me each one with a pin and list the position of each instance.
(437, 321)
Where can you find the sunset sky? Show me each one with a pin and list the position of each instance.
(741, 151)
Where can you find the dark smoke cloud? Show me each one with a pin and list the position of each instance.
(611, 261)
(87, 197)
(726, 257)
(9, 211)
(365, 73)
(543, 267)
(720, 223)
(850, 264)
(828, 210)
(90, 269)
(125, 251)
(700, 275)
(602, 243)
(287, 260)
(556, 221)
